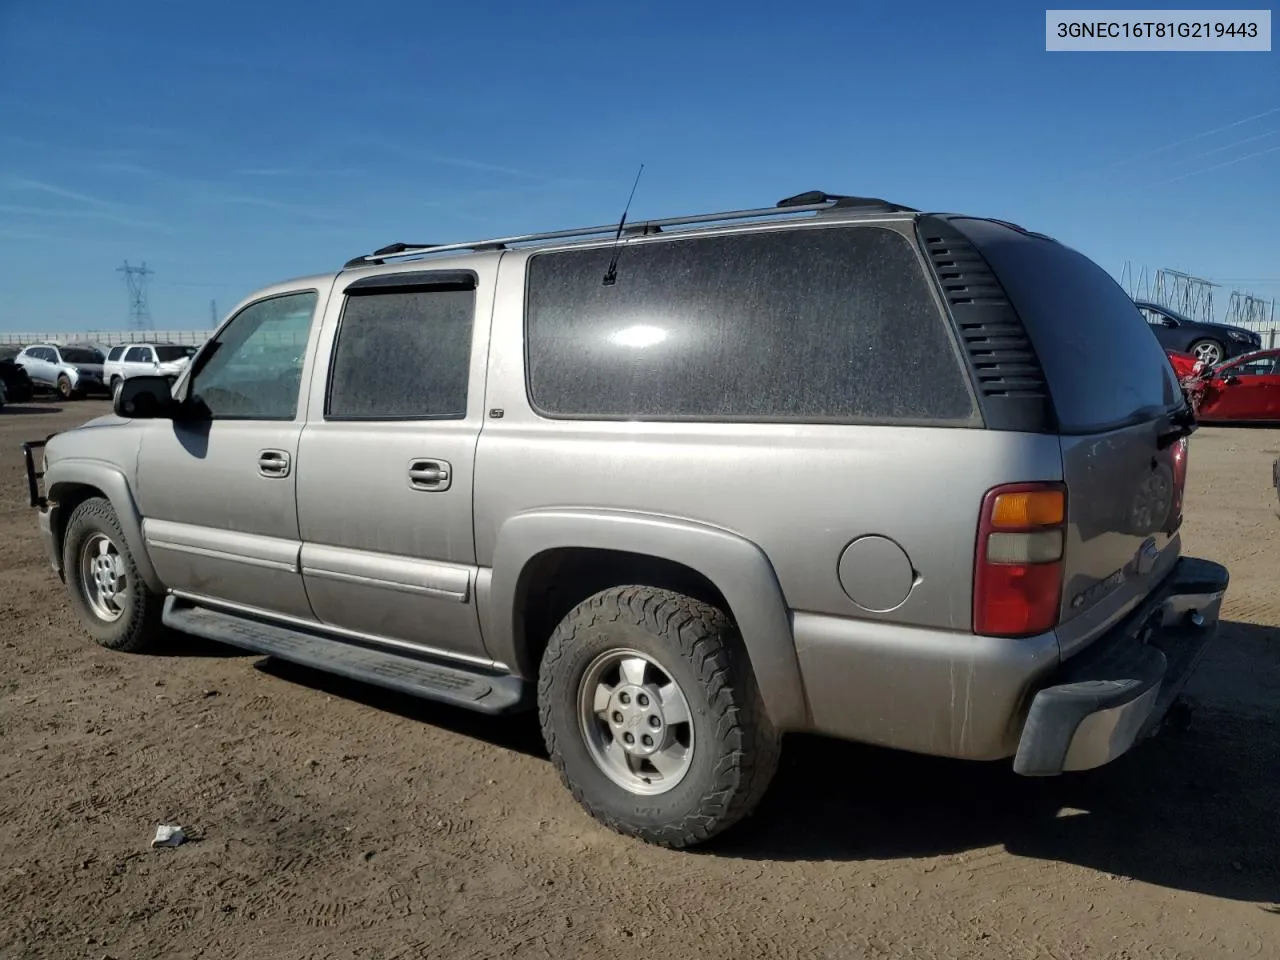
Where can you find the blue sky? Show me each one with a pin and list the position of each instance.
(234, 144)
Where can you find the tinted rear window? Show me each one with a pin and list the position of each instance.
(831, 324)
(169, 354)
(1104, 366)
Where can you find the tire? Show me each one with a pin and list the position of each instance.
(116, 384)
(730, 748)
(1210, 352)
(93, 533)
(65, 390)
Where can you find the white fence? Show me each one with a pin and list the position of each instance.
(109, 338)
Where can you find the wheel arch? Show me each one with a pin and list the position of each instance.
(573, 554)
(71, 482)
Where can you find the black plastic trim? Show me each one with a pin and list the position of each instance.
(417, 675)
(1010, 382)
(34, 476)
(413, 280)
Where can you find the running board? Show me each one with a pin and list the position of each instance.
(473, 690)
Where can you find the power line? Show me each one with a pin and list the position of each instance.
(135, 279)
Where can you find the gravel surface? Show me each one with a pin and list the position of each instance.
(326, 819)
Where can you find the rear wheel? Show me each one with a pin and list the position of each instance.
(1209, 352)
(113, 602)
(65, 390)
(652, 716)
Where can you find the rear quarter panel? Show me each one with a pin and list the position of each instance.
(801, 493)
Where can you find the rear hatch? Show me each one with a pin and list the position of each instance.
(1120, 414)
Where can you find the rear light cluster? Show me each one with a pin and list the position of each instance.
(1180, 451)
(1017, 584)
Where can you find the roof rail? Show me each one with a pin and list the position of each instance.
(805, 203)
(841, 202)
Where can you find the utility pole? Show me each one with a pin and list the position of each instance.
(135, 279)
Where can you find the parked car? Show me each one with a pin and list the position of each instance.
(72, 370)
(156, 359)
(835, 466)
(17, 383)
(1246, 389)
(1210, 342)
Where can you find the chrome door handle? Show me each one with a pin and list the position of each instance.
(429, 474)
(273, 463)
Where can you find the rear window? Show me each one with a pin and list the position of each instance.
(1104, 367)
(833, 324)
(169, 354)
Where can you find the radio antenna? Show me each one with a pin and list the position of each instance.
(611, 275)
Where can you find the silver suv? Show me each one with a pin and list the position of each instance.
(835, 466)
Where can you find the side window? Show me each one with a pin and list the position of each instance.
(252, 369)
(1153, 318)
(826, 324)
(1261, 367)
(137, 355)
(52, 355)
(115, 353)
(402, 355)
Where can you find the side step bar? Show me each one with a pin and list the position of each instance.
(474, 690)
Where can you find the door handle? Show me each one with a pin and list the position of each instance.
(273, 463)
(429, 474)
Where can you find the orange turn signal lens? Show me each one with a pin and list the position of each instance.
(1033, 508)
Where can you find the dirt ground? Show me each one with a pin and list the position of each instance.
(334, 820)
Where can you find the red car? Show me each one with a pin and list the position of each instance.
(1244, 389)
(1184, 364)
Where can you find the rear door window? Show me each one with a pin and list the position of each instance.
(403, 355)
(828, 324)
(1104, 368)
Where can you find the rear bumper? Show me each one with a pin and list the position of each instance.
(1101, 702)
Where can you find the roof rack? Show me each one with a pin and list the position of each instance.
(813, 202)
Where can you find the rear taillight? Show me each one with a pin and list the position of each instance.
(1180, 451)
(1017, 582)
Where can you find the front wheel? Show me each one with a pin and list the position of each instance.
(1208, 352)
(114, 604)
(65, 390)
(652, 716)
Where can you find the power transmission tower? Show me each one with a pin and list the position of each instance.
(1139, 287)
(1244, 310)
(135, 278)
(1190, 296)
(213, 314)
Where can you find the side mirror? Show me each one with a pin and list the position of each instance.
(145, 398)
(1231, 378)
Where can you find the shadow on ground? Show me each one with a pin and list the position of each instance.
(1192, 810)
(35, 406)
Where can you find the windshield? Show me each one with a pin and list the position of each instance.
(169, 354)
(80, 355)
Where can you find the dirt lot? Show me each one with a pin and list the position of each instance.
(335, 820)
